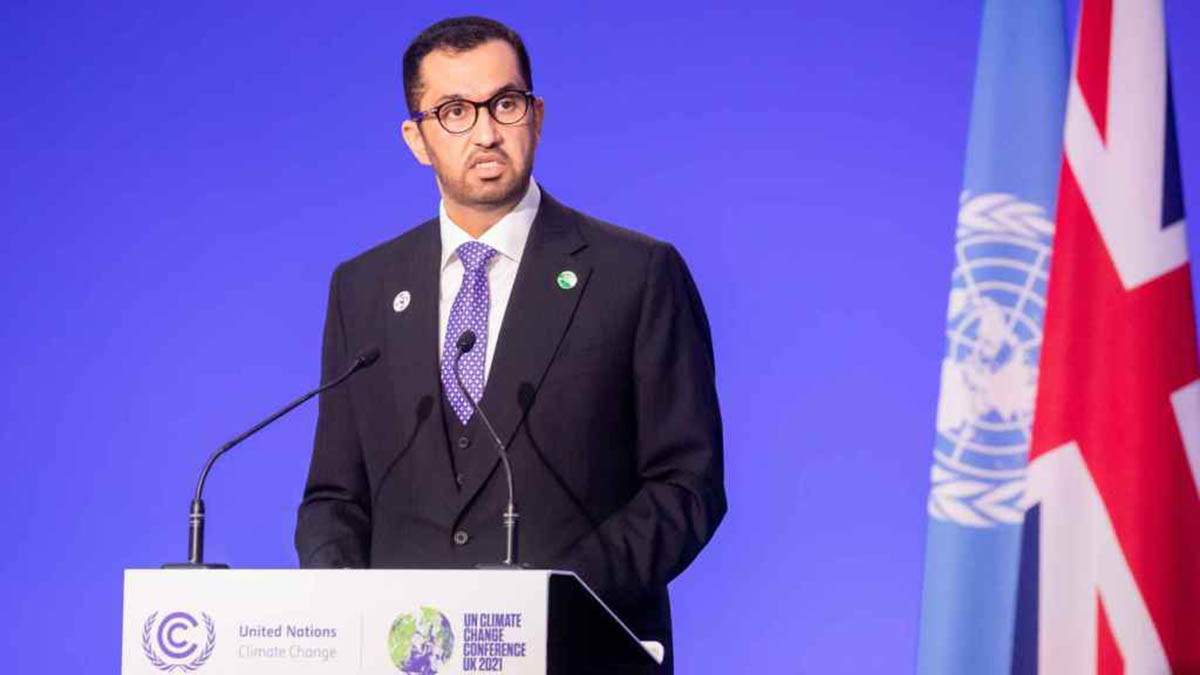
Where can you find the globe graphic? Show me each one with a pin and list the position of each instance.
(993, 342)
(421, 642)
(990, 372)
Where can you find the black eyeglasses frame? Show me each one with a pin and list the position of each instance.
(435, 112)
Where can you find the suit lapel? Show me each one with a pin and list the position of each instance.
(413, 355)
(538, 314)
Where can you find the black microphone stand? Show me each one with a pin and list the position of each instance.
(466, 342)
(196, 513)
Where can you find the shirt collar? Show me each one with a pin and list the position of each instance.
(507, 236)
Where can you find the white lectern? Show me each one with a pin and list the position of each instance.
(338, 622)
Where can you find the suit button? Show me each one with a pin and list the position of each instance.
(464, 443)
(458, 478)
(460, 538)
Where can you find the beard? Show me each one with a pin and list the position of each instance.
(485, 194)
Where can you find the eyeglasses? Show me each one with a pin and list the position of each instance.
(459, 115)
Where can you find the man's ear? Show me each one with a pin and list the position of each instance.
(539, 112)
(415, 141)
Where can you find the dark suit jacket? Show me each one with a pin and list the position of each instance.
(605, 393)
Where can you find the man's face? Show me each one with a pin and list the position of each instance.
(488, 166)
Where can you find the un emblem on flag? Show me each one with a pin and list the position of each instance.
(989, 373)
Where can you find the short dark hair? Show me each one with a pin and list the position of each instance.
(458, 34)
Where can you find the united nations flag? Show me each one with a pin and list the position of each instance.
(1002, 253)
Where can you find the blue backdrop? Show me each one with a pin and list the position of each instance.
(179, 181)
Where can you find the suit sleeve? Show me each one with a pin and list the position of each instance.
(333, 525)
(650, 540)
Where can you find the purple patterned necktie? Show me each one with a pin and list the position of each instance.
(469, 312)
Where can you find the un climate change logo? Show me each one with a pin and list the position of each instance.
(989, 374)
(421, 642)
(178, 643)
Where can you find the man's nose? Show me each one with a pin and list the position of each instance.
(485, 132)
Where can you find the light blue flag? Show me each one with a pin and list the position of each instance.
(993, 339)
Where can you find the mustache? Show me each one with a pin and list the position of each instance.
(487, 156)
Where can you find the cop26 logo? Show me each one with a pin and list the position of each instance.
(177, 642)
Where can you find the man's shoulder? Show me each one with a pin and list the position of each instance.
(606, 237)
(410, 245)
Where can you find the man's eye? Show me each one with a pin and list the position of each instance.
(506, 103)
(454, 111)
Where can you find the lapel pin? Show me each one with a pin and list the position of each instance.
(567, 280)
(400, 302)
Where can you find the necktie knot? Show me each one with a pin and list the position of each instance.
(474, 255)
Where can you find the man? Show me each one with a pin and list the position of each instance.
(592, 357)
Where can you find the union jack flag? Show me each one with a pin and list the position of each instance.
(1110, 578)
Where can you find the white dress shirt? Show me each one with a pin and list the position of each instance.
(507, 237)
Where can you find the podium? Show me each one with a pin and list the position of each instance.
(338, 622)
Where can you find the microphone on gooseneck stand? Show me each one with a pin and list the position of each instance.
(466, 342)
(365, 359)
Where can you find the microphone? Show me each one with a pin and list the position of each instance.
(365, 359)
(466, 342)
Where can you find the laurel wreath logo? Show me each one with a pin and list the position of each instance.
(981, 376)
(157, 661)
(1002, 212)
(976, 503)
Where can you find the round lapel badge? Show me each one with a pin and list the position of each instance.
(567, 280)
(401, 301)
